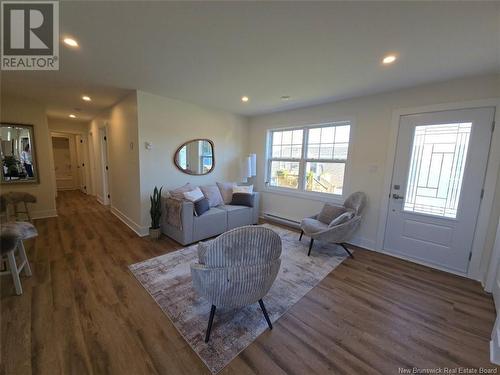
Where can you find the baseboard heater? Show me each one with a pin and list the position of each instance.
(282, 220)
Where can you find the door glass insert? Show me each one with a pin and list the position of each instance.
(437, 167)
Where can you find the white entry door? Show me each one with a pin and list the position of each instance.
(437, 185)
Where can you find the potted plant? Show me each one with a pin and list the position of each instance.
(155, 211)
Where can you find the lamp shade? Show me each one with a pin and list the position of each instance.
(246, 168)
(253, 164)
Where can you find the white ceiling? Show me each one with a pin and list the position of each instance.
(213, 53)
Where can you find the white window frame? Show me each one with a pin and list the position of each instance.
(300, 191)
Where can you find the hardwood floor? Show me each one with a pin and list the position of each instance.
(82, 312)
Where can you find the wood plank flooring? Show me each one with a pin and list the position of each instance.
(83, 312)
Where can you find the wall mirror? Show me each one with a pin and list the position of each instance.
(195, 157)
(17, 148)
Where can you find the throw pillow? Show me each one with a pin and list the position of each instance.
(242, 199)
(201, 206)
(194, 195)
(330, 212)
(226, 190)
(341, 219)
(212, 193)
(179, 192)
(243, 189)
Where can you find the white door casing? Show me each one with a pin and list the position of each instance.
(104, 165)
(432, 213)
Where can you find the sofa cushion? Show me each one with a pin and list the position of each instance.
(211, 223)
(179, 192)
(226, 190)
(193, 195)
(311, 226)
(242, 199)
(201, 206)
(212, 193)
(330, 212)
(243, 189)
(237, 216)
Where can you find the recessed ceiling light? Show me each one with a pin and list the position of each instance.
(70, 42)
(389, 59)
(286, 97)
(72, 116)
(244, 99)
(86, 98)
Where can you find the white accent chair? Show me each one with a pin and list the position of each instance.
(237, 269)
(341, 228)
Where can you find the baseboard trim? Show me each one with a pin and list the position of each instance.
(140, 231)
(43, 214)
(364, 242)
(101, 200)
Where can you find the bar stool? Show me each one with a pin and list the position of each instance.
(13, 200)
(11, 240)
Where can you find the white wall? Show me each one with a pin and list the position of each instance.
(123, 159)
(168, 123)
(26, 111)
(121, 124)
(372, 118)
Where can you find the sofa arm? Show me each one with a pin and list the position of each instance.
(182, 232)
(256, 208)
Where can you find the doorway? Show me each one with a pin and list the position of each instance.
(436, 187)
(65, 161)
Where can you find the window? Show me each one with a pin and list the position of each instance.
(206, 156)
(309, 159)
(437, 168)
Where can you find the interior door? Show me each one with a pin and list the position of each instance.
(437, 185)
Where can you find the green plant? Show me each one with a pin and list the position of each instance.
(11, 163)
(281, 173)
(155, 210)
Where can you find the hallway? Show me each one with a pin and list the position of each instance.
(83, 312)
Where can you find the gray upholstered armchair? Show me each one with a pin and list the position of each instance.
(335, 224)
(237, 269)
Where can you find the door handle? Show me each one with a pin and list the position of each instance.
(397, 196)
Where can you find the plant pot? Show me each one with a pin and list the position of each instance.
(155, 233)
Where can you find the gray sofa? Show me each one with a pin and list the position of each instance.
(215, 221)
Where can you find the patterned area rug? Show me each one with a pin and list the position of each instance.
(168, 279)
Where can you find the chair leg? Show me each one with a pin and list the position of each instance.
(210, 321)
(301, 233)
(24, 259)
(14, 272)
(346, 249)
(310, 246)
(27, 212)
(263, 308)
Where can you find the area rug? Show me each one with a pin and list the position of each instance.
(167, 278)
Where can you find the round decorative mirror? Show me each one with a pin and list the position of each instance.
(195, 157)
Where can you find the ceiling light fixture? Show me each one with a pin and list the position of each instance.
(286, 97)
(86, 98)
(70, 42)
(244, 99)
(72, 116)
(389, 59)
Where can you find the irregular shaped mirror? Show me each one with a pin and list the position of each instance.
(195, 157)
(17, 148)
